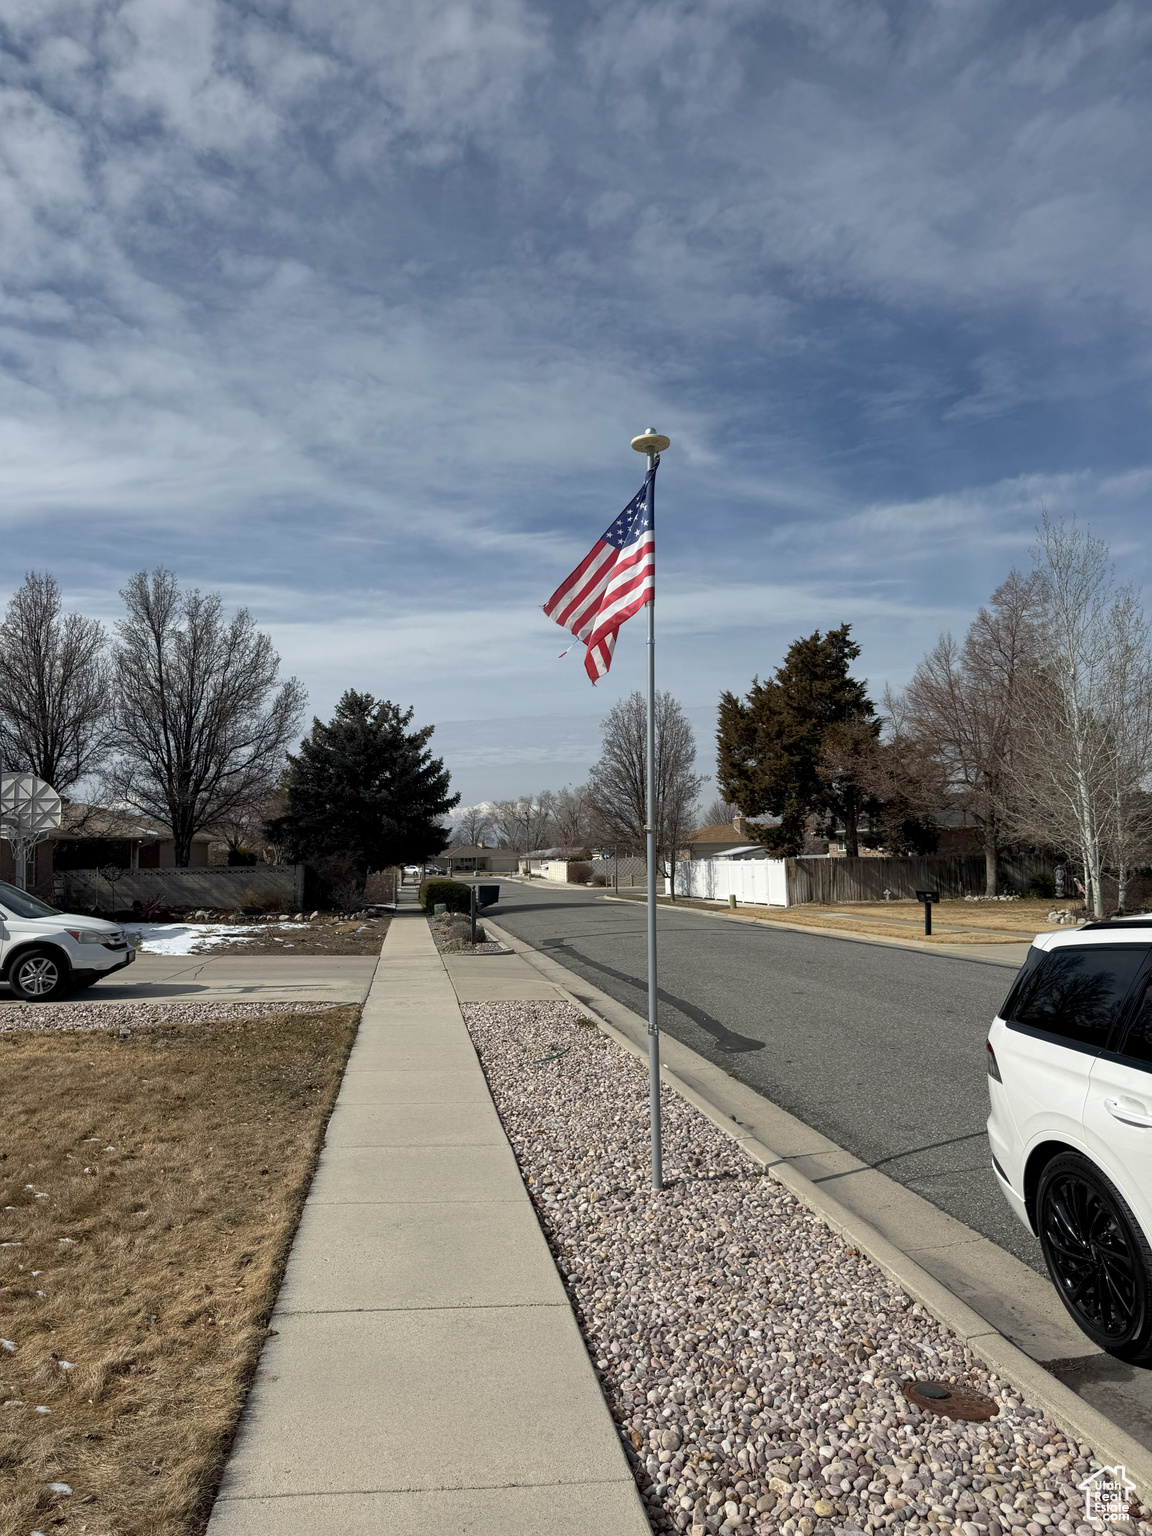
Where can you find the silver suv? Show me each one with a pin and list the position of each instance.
(45, 954)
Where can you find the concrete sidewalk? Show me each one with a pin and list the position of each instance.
(427, 1374)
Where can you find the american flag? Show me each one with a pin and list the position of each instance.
(612, 582)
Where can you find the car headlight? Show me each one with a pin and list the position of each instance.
(89, 936)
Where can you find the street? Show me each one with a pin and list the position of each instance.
(878, 1047)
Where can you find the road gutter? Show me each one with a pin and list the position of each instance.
(1036, 1316)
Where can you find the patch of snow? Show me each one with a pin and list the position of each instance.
(183, 938)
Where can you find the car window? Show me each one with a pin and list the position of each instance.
(1023, 976)
(1077, 993)
(20, 904)
(1137, 1044)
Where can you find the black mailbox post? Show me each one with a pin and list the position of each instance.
(928, 897)
(481, 896)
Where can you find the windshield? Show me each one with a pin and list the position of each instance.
(22, 905)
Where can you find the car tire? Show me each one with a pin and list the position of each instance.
(40, 976)
(1097, 1255)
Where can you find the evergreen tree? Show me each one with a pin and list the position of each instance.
(798, 746)
(365, 787)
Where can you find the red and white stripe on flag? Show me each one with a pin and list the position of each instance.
(613, 581)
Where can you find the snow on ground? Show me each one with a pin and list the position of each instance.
(184, 938)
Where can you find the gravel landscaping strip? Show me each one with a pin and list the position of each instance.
(451, 933)
(117, 1015)
(752, 1361)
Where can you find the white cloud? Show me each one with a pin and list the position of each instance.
(352, 308)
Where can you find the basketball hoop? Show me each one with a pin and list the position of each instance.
(29, 810)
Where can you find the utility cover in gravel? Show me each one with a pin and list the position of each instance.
(753, 1362)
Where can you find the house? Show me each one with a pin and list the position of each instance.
(474, 858)
(723, 837)
(93, 837)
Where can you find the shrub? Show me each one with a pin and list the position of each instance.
(1041, 885)
(455, 896)
(579, 873)
(256, 900)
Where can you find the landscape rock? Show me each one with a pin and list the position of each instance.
(726, 1312)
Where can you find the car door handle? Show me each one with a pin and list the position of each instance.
(1129, 1112)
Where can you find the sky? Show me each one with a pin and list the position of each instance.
(349, 310)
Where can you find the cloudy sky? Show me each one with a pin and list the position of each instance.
(349, 309)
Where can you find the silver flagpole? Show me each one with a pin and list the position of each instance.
(652, 443)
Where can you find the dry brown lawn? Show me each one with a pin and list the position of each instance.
(953, 921)
(150, 1185)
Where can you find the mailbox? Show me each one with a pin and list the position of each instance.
(487, 895)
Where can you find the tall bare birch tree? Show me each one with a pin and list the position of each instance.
(1084, 742)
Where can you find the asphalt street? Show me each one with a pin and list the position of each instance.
(880, 1048)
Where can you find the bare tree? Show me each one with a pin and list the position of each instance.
(721, 813)
(471, 824)
(527, 823)
(244, 827)
(201, 720)
(1128, 823)
(960, 709)
(54, 695)
(905, 784)
(616, 785)
(1081, 764)
(573, 817)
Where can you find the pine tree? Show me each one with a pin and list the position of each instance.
(365, 787)
(798, 745)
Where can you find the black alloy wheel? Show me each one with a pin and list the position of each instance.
(1097, 1256)
(40, 976)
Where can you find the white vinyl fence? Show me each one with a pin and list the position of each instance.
(760, 882)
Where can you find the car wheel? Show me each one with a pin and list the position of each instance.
(40, 976)
(1097, 1255)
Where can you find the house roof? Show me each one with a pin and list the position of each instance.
(721, 832)
(80, 821)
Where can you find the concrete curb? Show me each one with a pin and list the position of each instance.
(1037, 1386)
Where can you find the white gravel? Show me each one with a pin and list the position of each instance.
(118, 1015)
(751, 1360)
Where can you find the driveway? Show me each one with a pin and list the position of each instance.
(234, 978)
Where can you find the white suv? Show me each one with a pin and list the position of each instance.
(1070, 1079)
(45, 954)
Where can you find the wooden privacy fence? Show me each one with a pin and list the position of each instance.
(833, 880)
(789, 882)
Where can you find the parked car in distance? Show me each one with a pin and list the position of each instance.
(45, 954)
(1070, 1080)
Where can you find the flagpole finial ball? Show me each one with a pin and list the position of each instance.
(651, 441)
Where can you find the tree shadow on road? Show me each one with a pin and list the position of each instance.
(727, 1040)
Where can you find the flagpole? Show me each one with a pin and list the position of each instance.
(652, 443)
